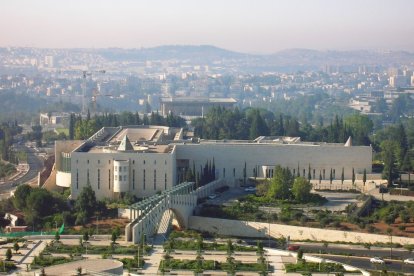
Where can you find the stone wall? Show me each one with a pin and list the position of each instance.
(261, 230)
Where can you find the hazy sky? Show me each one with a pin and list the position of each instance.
(256, 26)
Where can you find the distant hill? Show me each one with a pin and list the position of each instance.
(179, 52)
(315, 57)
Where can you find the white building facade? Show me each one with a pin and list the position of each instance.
(144, 160)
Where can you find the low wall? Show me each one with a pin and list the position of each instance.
(261, 230)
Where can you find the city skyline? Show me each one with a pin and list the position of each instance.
(243, 26)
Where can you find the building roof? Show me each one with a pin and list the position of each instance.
(125, 144)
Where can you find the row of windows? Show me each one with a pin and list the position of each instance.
(269, 173)
(133, 162)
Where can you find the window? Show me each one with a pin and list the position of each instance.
(116, 168)
(109, 179)
(133, 179)
(116, 177)
(155, 179)
(99, 161)
(165, 181)
(224, 172)
(234, 172)
(99, 179)
(144, 178)
(77, 179)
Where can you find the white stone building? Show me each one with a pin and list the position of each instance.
(143, 160)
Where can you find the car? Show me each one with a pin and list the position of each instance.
(293, 247)
(409, 261)
(377, 260)
(250, 189)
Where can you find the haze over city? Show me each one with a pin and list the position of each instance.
(245, 26)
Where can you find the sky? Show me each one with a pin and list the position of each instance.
(255, 26)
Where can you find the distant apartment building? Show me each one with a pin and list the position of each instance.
(53, 118)
(192, 106)
(399, 81)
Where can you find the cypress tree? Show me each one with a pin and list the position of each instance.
(353, 176)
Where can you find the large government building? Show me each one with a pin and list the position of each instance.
(143, 160)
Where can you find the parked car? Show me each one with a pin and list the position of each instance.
(409, 261)
(293, 247)
(377, 260)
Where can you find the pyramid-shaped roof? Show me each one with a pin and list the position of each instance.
(349, 142)
(125, 144)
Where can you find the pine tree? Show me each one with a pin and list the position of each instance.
(342, 176)
(309, 173)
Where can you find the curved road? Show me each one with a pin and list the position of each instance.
(36, 165)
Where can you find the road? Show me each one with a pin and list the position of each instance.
(36, 165)
(364, 263)
(358, 255)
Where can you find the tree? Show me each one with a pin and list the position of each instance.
(330, 177)
(342, 176)
(309, 173)
(20, 196)
(57, 236)
(86, 236)
(16, 246)
(86, 201)
(280, 184)
(114, 237)
(364, 177)
(388, 153)
(9, 254)
(301, 189)
(353, 176)
(300, 254)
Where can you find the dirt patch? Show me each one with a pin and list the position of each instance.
(104, 226)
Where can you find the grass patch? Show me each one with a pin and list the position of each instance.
(93, 249)
(208, 265)
(314, 267)
(43, 261)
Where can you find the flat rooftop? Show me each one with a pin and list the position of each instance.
(197, 100)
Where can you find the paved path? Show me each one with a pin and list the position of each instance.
(152, 262)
